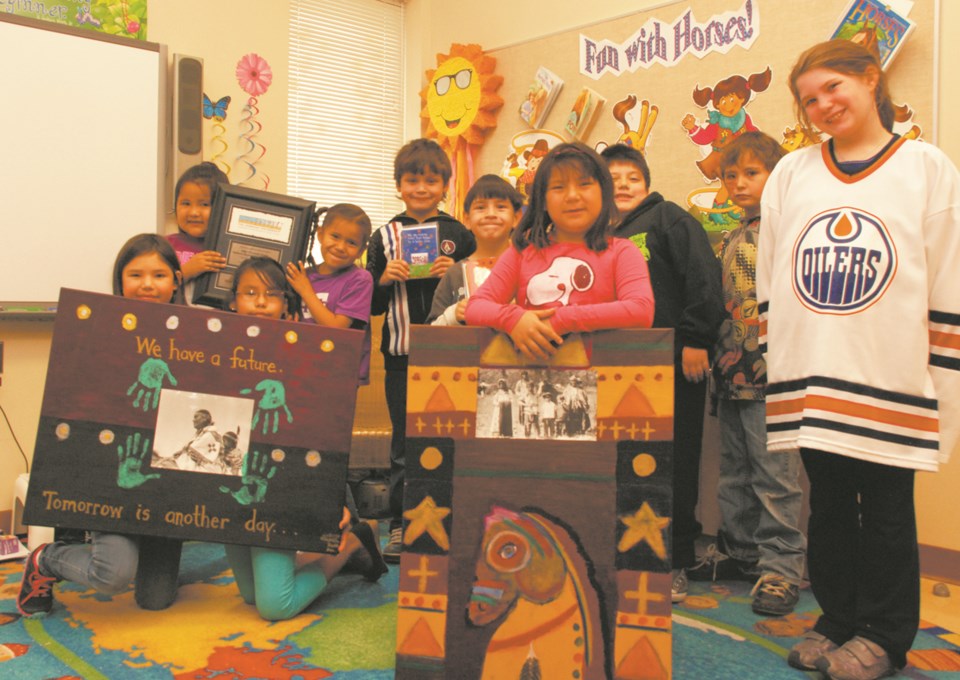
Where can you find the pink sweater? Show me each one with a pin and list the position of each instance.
(591, 291)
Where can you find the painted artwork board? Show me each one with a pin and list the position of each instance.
(191, 423)
(536, 556)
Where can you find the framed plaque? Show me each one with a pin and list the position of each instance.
(247, 223)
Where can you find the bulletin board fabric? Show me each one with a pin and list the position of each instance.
(783, 31)
(81, 125)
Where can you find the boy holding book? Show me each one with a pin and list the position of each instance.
(421, 171)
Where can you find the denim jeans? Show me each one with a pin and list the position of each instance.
(758, 493)
(107, 564)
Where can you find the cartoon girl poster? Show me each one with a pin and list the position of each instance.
(726, 120)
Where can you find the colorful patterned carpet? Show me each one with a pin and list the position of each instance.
(348, 634)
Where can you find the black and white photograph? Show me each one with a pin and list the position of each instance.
(202, 432)
(537, 403)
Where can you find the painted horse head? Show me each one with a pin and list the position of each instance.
(519, 559)
(534, 585)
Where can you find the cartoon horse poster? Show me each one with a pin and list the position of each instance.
(726, 120)
(531, 557)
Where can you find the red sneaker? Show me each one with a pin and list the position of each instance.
(36, 596)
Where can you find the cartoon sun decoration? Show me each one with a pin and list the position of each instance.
(460, 108)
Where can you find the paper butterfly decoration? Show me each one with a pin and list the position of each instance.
(217, 110)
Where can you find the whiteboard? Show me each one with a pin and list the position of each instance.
(82, 128)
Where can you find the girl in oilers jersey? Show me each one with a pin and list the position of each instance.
(857, 281)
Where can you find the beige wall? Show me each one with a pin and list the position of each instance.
(221, 31)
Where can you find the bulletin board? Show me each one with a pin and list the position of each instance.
(780, 32)
(81, 166)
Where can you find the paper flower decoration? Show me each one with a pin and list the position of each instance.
(254, 74)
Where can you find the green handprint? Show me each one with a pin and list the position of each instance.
(128, 474)
(274, 398)
(149, 382)
(254, 479)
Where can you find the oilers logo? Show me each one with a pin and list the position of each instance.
(843, 261)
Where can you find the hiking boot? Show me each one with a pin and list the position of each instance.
(36, 590)
(858, 659)
(809, 650)
(774, 596)
(391, 552)
(371, 565)
(718, 566)
(678, 585)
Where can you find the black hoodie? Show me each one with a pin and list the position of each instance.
(408, 303)
(684, 271)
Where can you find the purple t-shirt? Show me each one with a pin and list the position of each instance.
(347, 292)
(186, 246)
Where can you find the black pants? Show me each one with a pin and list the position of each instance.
(689, 400)
(862, 551)
(395, 388)
(158, 572)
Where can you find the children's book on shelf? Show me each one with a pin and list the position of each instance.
(583, 114)
(881, 26)
(540, 97)
(420, 247)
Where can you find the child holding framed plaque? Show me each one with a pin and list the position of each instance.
(192, 199)
(337, 292)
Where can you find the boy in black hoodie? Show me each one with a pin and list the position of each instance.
(421, 170)
(685, 275)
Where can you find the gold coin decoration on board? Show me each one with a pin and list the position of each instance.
(84, 312)
(326, 346)
(644, 465)
(129, 322)
(291, 337)
(431, 458)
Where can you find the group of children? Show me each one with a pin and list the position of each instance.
(840, 354)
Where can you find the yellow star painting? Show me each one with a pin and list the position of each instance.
(644, 525)
(427, 517)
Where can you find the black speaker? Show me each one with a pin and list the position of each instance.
(186, 123)
(188, 105)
